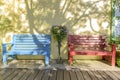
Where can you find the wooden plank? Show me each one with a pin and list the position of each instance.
(19, 75)
(59, 75)
(13, 74)
(79, 75)
(115, 74)
(86, 75)
(66, 75)
(33, 75)
(111, 75)
(26, 75)
(1, 77)
(99, 77)
(0, 68)
(92, 75)
(7, 72)
(46, 75)
(73, 75)
(118, 72)
(53, 75)
(104, 75)
(39, 75)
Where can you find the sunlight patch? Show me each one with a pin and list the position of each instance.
(94, 24)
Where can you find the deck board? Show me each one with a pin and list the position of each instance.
(46, 75)
(111, 75)
(33, 75)
(12, 75)
(116, 74)
(105, 76)
(37, 74)
(79, 75)
(6, 73)
(26, 75)
(99, 77)
(20, 74)
(73, 75)
(59, 75)
(53, 75)
(86, 75)
(66, 75)
(93, 77)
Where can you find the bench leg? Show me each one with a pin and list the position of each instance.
(4, 56)
(70, 58)
(47, 59)
(113, 60)
(113, 55)
(15, 57)
(4, 60)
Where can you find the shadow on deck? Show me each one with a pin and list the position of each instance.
(36, 70)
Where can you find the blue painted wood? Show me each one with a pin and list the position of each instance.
(28, 44)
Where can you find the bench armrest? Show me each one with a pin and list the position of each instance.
(71, 46)
(5, 47)
(113, 47)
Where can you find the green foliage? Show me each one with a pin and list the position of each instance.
(118, 38)
(5, 24)
(115, 40)
(118, 62)
(118, 3)
(59, 32)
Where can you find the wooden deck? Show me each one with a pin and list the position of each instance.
(76, 74)
(83, 70)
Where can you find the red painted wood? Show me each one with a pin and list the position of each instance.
(113, 54)
(90, 45)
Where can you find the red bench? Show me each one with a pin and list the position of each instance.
(90, 45)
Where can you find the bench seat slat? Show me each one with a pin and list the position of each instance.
(27, 49)
(33, 52)
(34, 41)
(93, 52)
(77, 43)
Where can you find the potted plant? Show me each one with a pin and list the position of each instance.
(118, 58)
(117, 42)
(59, 33)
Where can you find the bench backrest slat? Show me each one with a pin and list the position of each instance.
(88, 42)
(30, 43)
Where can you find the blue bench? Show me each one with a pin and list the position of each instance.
(28, 44)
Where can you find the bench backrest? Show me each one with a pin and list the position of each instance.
(86, 42)
(31, 43)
